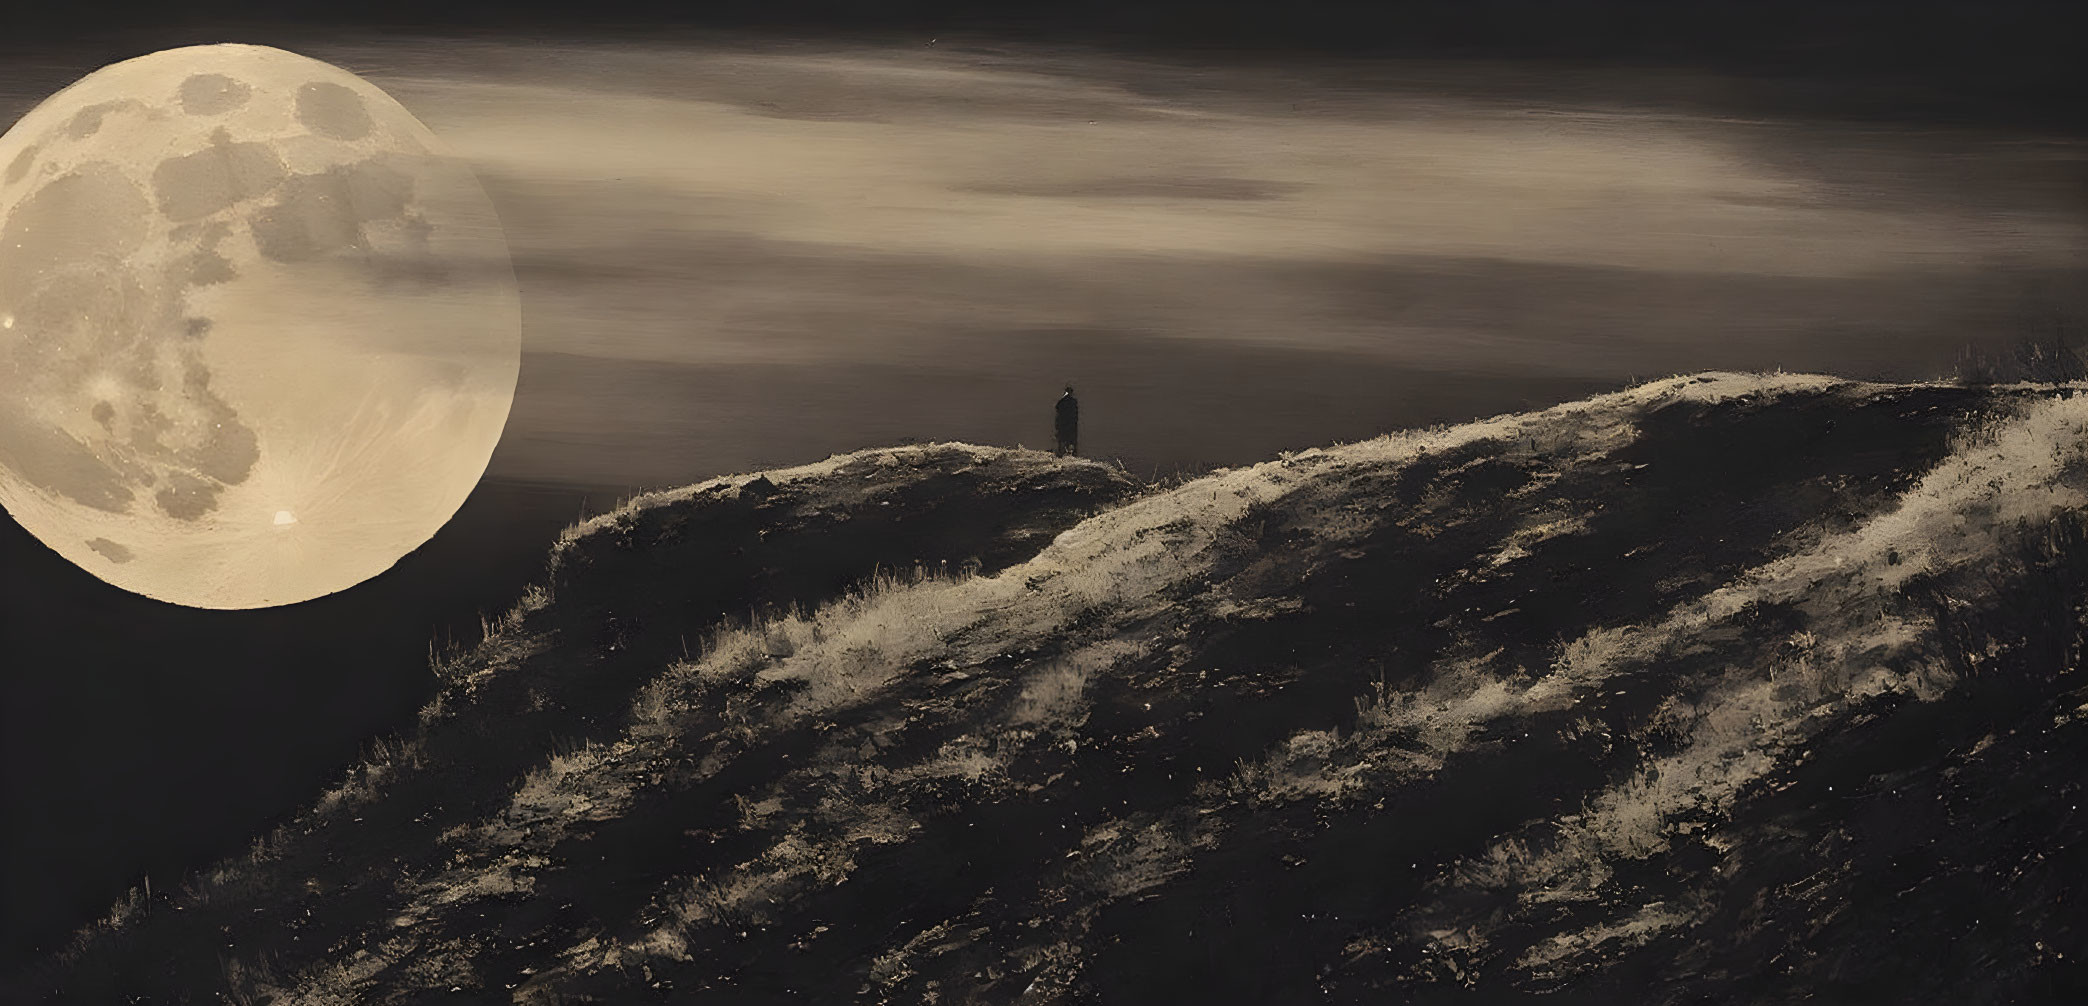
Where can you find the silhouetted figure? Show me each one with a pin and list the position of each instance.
(1068, 423)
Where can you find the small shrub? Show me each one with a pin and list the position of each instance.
(2043, 359)
(2051, 359)
(1977, 367)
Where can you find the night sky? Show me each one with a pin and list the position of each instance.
(770, 233)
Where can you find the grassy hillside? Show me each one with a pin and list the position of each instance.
(1726, 688)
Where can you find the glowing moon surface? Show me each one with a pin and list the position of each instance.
(258, 332)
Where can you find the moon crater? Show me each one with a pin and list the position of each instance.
(324, 214)
(18, 169)
(213, 94)
(332, 110)
(88, 121)
(113, 551)
(193, 186)
(92, 212)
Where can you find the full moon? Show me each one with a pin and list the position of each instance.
(258, 329)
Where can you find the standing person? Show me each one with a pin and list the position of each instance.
(1068, 427)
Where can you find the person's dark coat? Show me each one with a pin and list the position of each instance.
(1068, 425)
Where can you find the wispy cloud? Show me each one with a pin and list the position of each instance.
(936, 152)
(826, 209)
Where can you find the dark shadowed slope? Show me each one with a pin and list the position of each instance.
(636, 589)
(1727, 688)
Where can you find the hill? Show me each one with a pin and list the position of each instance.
(1726, 688)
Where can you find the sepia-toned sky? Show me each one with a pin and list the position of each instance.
(978, 224)
(757, 252)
